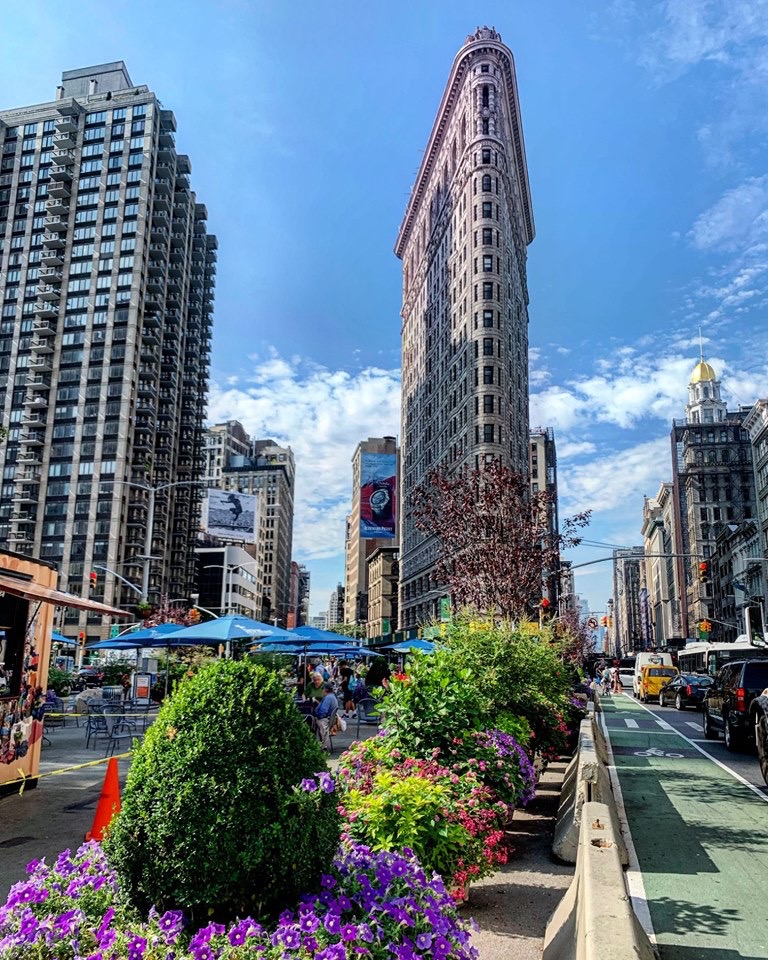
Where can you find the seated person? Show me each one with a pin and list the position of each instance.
(323, 713)
(314, 689)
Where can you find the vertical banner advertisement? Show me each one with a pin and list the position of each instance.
(378, 495)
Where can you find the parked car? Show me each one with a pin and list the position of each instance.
(652, 679)
(728, 702)
(87, 677)
(687, 690)
(626, 678)
(759, 714)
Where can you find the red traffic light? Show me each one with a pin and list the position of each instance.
(544, 603)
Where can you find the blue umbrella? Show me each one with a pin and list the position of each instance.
(230, 627)
(60, 638)
(409, 646)
(148, 637)
(314, 634)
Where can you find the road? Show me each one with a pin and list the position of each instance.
(687, 723)
(697, 819)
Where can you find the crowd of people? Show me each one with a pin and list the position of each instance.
(331, 691)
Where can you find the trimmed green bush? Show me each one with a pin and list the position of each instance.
(213, 819)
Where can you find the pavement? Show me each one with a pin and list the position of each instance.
(512, 906)
(697, 819)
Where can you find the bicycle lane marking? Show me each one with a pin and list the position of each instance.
(699, 841)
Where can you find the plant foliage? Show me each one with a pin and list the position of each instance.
(213, 820)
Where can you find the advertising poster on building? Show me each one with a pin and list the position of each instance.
(230, 515)
(378, 495)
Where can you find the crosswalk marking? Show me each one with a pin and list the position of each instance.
(665, 725)
(632, 723)
(695, 726)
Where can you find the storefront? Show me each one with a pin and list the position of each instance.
(28, 597)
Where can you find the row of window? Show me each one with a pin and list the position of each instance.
(91, 119)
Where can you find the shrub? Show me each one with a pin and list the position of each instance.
(59, 681)
(213, 820)
(518, 674)
(451, 822)
(425, 707)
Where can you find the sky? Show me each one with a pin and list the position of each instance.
(645, 123)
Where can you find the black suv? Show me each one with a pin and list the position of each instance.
(728, 701)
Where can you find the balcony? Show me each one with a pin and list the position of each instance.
(59, 188)
(52, 257)
(36, 401)
(60, 171)
(36, 439)
(156, 268)
(41, 365)
(32, 420)
(29, 458)
(44, 308)
(161, 205)
(66, 124)
(47, 292)
(37, 383)
(28, 476)
(57, 206)
(163, 187)
(56, 224)
(24, 496)
(53, 240)
(43, 329)
(64, 139)
(50, 275)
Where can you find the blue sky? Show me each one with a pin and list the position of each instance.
(645, 125)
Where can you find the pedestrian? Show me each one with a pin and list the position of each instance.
(324, 712)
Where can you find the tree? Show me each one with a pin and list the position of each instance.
(495, 544)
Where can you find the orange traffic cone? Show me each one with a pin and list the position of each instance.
(108, 805)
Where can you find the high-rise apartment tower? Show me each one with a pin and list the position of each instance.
(465, 299)
(106, 284)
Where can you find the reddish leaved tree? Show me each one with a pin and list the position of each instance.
(495, 546)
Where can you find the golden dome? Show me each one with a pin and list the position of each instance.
(703, 371)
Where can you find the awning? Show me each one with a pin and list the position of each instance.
(36, 591)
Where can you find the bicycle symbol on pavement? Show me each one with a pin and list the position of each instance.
(655, 752)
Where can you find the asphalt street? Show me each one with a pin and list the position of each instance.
(697, 817)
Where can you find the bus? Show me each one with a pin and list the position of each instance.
(703, 657)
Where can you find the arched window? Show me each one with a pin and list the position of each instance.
(486, 184)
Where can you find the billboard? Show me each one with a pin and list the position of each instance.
(230, 515)
(378, 495)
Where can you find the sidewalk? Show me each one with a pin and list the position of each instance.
(700, 841)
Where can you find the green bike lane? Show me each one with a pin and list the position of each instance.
(700, 841)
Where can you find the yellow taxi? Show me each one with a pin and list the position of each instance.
(653, 678)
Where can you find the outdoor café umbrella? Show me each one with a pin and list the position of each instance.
(233, 626)
(60, 638)
(411, 646)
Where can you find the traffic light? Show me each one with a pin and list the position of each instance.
(93, 581)
(704, 572)
(81, 638)
(603, 621)
(193, 616)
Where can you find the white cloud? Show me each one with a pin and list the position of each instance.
(322, 414)
(738, 219)
(620, 477)
(567, 449)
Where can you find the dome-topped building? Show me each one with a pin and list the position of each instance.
(703, 371)
(704, 402)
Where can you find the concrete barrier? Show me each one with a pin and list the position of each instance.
(586, 779)
(595, 919)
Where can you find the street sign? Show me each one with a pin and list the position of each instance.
(114, 631)
(592, 623)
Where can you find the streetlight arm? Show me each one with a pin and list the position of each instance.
(98, 566)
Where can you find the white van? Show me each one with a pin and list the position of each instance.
(645, 659)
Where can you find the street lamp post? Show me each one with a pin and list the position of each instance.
(147, 558)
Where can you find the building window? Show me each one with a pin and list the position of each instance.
(486, 127)
(489, 433)
(488, 375)
(487, 318)
(486, 184)
(487, 290)
(487, 264)
(486, 95)
(488, 403)
(487, 209)
(488, 235)
(487, 346)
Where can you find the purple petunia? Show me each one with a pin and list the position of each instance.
(309, 785)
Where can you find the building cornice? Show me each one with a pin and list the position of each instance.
(442, 120)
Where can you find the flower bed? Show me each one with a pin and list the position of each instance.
(374, 905)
